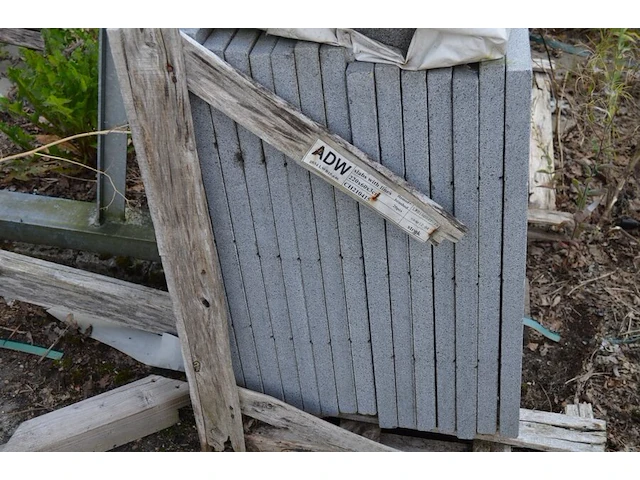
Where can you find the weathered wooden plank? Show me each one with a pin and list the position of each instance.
(333, 66)
(585, 424)
(390, 130)
(364, 129)
(307, 60)
(562, 433)
(265, 438)
(22, 37)
(555, 432)
(416, 156)
(260, 60)
(491, 130)
(584, 410)
(105, 421)
(243, 171)
(441, 165)
(514, 248)
(542, 192)
(550, 217)
(312, 431)
(49, 285)
(465, 176)
(152, 74)
(286, 86)
(539, 439)
(225, 244)
(296, 135)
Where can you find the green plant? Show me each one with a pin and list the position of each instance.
(56, 96)
(612, 66)
(603, 87)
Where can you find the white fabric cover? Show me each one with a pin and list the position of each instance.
(429, 48)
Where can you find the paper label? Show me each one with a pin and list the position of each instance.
(369, 188)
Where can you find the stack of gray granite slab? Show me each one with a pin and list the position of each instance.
(336, 311)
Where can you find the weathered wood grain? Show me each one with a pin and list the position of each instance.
(105, 421)
(550, 217)
(291, 132)
(22, 37)
(555, 432)
(50, 285)
(542, 192)
(306, 428)
(152, 76)
(584, 410)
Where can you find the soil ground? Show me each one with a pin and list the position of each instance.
(583, 284)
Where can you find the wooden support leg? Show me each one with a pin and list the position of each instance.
(152, 75)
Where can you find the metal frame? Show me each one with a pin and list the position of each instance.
(105, 226)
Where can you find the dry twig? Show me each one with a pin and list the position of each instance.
(586, 282)
(36, 152)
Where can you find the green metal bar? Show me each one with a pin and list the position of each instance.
(33, 349)
(112, 149)
(72, 224)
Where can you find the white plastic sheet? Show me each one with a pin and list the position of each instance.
(429, 48)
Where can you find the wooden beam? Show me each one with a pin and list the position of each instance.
(555, 432)
(584, 410)
(304, 427)
(313, 147)
(105, 421)
(152, 76)
(550, 217)
(542, 192)
(22, 37)
(52, 285)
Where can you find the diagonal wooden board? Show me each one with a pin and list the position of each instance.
(119, 416)
(105, 421)
(313, 147)
(152, 76)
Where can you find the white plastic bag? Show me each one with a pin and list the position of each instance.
(429, 48)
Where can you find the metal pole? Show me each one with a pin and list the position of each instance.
(112, 149)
